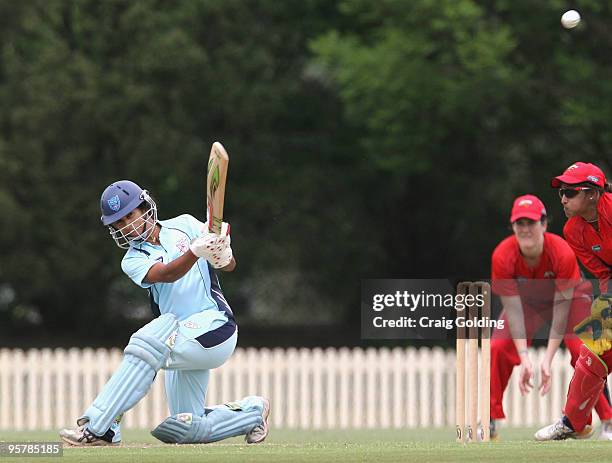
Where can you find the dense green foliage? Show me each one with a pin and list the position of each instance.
(367, 139)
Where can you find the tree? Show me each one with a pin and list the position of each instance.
(460, 106)
(97, 91)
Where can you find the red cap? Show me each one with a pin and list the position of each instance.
(580, 172)
(527, 207)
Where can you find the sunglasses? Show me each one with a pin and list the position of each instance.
(571, 191)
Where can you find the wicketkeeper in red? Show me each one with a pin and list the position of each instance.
(587, 201)
(537, 277)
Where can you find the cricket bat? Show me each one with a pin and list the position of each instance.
(215, 186)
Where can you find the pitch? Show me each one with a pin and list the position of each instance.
(378, 446)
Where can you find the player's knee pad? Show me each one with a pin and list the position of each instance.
(219, 422)
(153, 342)
(590, 375)
(145, 354)
(182, 428)
(591, 364)
(584, 389)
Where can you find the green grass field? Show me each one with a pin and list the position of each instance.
(376, 446)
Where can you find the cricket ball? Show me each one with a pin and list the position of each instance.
(570, 19)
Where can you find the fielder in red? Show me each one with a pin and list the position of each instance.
(537, 277)
(587, 202)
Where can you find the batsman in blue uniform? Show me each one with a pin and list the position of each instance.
(194, 331)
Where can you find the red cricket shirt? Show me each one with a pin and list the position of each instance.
(557, 270)
(594, 249)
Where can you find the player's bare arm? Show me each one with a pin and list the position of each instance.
(563, 302)
(172, 271)
(562, 305)
(514, 312)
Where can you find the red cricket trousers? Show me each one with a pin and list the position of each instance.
(504, 356)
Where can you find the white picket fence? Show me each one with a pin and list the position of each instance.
(308, 388)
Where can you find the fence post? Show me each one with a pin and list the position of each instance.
(331, 388)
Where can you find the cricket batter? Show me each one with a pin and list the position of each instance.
(194, 331)
(537, 277)
(587, 202)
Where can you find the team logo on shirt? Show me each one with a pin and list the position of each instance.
(596, 248)
(182, 245)
(191, 324)
(114, 203)
(549, 274)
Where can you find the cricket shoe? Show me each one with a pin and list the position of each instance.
(259, 433)
(606, 430)
(494, 430)
(83, 437)
(493, 436)
(561, 431)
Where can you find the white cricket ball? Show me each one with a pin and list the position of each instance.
(570, 19)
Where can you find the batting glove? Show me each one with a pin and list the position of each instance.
(214, 248)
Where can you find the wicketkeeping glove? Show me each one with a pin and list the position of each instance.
(214, 248)
(596, 330)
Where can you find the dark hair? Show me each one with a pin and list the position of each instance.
(590, 185)
(608, 187)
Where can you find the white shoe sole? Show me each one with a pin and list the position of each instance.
(98, 443)
(587, 433)
(265, 414)
(94, 444)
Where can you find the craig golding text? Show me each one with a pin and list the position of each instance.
(446, 323)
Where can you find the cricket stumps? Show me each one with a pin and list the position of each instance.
(473, 382)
